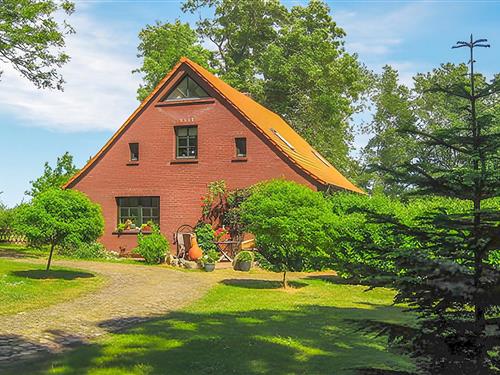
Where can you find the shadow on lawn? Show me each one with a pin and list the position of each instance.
(310, 339)
(261, 284)
(53, 274)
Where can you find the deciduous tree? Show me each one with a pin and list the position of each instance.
(55, 217)
(32, 39)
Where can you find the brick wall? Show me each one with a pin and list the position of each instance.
(179, 186)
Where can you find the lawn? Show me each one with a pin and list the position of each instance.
(249, 327)
(26, 286)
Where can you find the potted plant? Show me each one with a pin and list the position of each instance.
(243, 261)
(209, 259)
(148, 227)
(121, 227)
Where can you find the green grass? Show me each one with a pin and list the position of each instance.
(25, 286)
(249, 327)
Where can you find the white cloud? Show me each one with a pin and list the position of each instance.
(100, 89)
(376, 32)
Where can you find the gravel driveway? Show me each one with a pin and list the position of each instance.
(131, 294)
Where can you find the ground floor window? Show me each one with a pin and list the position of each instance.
(139, 210)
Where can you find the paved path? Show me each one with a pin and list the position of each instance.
(131, 294)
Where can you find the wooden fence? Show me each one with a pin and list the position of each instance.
(9, 236)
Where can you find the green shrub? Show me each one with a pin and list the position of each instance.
(205, 237)
(152, 247)
(359, 241)
(94, 250)
(244, 256)
(210, 257)
(291, 225)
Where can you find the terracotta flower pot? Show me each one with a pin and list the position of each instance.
(194, 252)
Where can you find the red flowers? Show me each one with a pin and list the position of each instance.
(222, 234)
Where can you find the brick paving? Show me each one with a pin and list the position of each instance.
(131, 294)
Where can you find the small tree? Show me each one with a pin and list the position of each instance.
(57, 217)
(290, 223)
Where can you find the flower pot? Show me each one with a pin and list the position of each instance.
(243, 266)
(209, 267)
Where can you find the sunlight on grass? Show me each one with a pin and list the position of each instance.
(245, 328)
(25, 286)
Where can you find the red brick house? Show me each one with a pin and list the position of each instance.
(191, 130)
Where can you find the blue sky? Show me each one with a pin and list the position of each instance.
(39, 125)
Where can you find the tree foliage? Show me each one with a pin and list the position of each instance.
(161, 46)
(290, 223)
(421, 107)
(292, 60)
(54, 177)
(60, 217)
(32, 39)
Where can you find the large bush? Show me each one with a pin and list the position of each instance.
(360, 241)
(291, 224)
(59, 218)
(152, 247)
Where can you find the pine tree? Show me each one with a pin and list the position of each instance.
(451, 279)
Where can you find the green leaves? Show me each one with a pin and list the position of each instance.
(161, 47)
(60, 217)
(54, 177)
(290, 222)
(32, 40)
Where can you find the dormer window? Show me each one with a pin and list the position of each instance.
(187, 89)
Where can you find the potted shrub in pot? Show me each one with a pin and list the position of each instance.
(209, 259)
(243, 261)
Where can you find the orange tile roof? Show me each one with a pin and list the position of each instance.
(272, 126)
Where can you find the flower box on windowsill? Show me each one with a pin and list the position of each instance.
(131, 232)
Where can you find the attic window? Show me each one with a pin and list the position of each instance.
(187, 89)
(318, 155)
(283, 139)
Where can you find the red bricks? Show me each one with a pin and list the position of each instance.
(179, 186)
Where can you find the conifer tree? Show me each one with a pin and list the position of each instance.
(452, 278)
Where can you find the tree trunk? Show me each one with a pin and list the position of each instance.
(285, 282)
(52, 245)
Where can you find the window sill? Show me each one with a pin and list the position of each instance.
(130, 232)
(185, 102)
(133, 163)
(239, 159)
(184, 161)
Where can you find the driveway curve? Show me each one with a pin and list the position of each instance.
(131, 294)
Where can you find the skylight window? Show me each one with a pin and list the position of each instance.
(187, 89)
(318, 155)
(283, 139)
